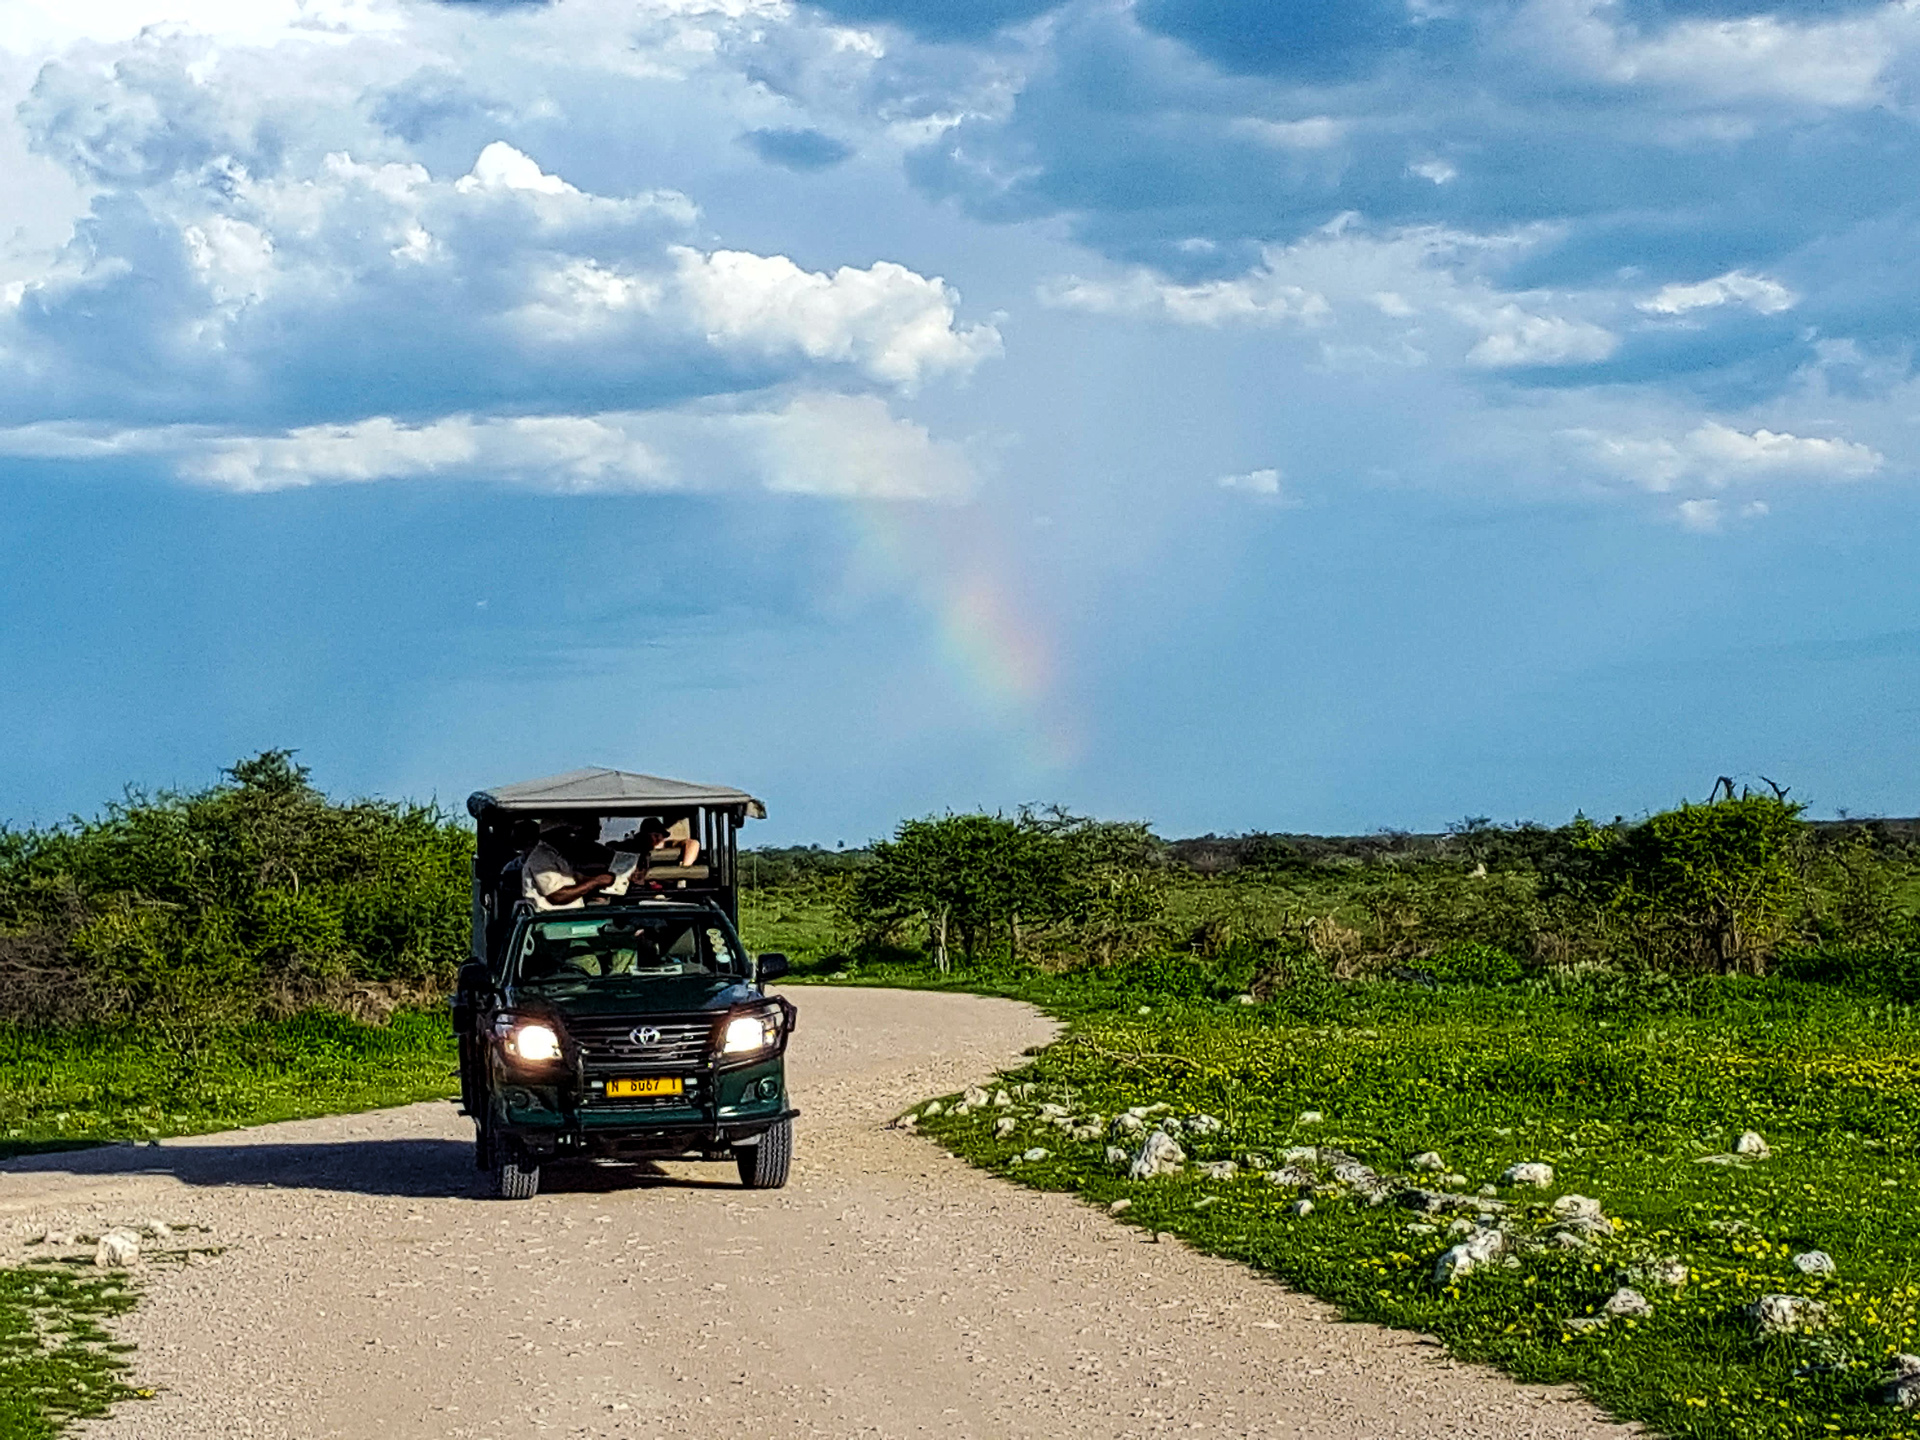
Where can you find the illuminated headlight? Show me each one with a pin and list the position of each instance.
(749, 1033)
(531, 1041)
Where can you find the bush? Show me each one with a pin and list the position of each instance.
(254, 896)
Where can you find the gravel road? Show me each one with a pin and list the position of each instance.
(366, 1290)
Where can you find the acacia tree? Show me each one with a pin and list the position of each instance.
(1036, 873)
(1714, 884)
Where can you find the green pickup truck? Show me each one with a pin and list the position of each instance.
(630, 1025)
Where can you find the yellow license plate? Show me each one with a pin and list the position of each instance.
(655, 1085)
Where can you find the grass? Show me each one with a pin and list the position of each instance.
(62, 1088)
(58, 1363)
(1621, 1084)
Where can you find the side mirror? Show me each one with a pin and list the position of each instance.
(475, 978)
(773, 965)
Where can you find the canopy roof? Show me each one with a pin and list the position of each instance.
(608, 792)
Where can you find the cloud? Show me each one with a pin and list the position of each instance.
(1736, 287)
(841, 446)
(801, 150)
(1259, 297)
(1720, 455)
(1262, 484)
(1516, 337)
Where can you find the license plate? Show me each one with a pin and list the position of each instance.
(653, 1085)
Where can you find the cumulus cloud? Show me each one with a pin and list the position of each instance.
(1259, 297)
(1719, 455)
(1262, 484)
(1736, 287)
(1516, 337)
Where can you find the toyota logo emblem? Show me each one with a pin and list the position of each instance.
(645, 1035)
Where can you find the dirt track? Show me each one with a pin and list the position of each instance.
(367, 1290)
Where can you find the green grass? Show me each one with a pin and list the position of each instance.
(60, 1088)
(1621, 1085)
(58, 1363)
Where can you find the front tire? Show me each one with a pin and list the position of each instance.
(765, 1166)
(514, 1177)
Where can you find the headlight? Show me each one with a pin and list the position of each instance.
(749, 1033)
(531, 1041)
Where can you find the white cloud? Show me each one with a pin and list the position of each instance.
(1315, 133)
(1264, 484)
(1438, 171)
(1720, 455)
(1736, 287)
(1516, 337)
(1259, 297)
(815, 443)
(1702, 516)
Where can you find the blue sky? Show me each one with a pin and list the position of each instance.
(1235, 415)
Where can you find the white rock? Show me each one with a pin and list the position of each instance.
(60, 1237)
(1118, 1157)
(1751, 1145)
(1669, 1272)
(1001, 1100)
(1489, 1190)
(159, 1229)
(1462, 1226)
(118, 1248)
(1483, 1247)
(1129, 1124)
(973, 1095)
(1205, 1200)
(1302, 1155)
(1572, 1207)
(1905, 1367)
(1244, 999)
(1084, 1133)
(1311, 1117)
(1257, 1161)
(1119, 1207)
(1005, 1126)
(1420, 1227)
(1628, 1304)
(1528, 1172)
(1219, 1169)
(1144, 1010)
(1055, 1112)
(1171, 1124)
(1036, 1153)
(1581, 1323)
(931, 1110)
(1300, 1207)
(1159, 1155)
(1427, 1160)
(1204, 1125)
(1814, 1262)
(1786, 1314)
(963, 1108)
(1453, 1177)
(1904, 1392)
(1291, 1175)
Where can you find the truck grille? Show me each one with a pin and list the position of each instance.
(611, 1044)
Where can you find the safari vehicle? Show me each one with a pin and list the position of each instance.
(638, 1028)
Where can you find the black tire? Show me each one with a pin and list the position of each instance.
(764, 1166)
(513, 1177)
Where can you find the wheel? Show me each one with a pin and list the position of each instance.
(513, 1177)
(764, 1166)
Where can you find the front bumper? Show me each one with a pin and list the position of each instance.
(720, 1110)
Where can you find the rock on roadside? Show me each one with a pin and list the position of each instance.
(1786, 1314)
(1481, 1248)
(1159, 1155)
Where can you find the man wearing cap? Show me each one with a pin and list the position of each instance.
(547, 877)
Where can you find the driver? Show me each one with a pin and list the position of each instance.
(548, 879)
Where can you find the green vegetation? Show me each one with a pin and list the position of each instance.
(188, 913)
(88, 1085)
(57, 1361)
(1621, 1002)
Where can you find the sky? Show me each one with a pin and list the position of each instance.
(1238, 416)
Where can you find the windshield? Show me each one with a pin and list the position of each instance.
(626, 950)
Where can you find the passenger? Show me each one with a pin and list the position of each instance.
(654, 834)
(548, 878)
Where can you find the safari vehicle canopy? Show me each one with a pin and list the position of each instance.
(711, 814)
